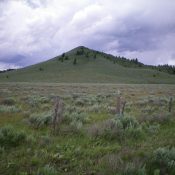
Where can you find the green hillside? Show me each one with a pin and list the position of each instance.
(83, 65)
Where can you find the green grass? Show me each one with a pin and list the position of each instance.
(73, 151)
(87, 70)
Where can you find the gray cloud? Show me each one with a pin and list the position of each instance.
(35, 30)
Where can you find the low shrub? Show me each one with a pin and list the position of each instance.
(35, 101)
(45, 140)
(30, 139)
(40, 120)
(10, 137)
(2, 150)
(80, 102)
(135, 133)
(95, 108)
(114, 164)
(156, 118)
(77, 117)
(45, 107)
(151, 129)
(76, 120)
(94, 130)
(112, 109)
(130, 127)
(164, 160)
(132, 169)
(47, 170)
(8, 101)
(26, 114)
(128, 122)
(112, 130)
(10, 109)
(44, 100)
(97, 129)
(23, 173)
(77, 125)
(70, 109)
(85, 101)
(117, 129)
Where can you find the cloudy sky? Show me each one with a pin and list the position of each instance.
(36, 30)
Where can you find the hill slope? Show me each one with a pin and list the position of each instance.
(83, 65)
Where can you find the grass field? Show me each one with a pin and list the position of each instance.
(92, 139)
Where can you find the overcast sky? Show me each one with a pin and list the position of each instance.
(36, 30)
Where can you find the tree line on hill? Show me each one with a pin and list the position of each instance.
(135, 63)
(7, 70)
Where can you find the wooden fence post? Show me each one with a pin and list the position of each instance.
(120, 106)
(123, 108)
(58, 113)
(170, 104)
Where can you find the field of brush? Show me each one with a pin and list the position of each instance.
(91, 138)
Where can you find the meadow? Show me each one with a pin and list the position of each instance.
(91, 139)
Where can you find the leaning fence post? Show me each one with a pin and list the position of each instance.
(55, 113)
(118, 105)
(170, 104)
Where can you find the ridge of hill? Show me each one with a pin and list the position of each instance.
(84, 65)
